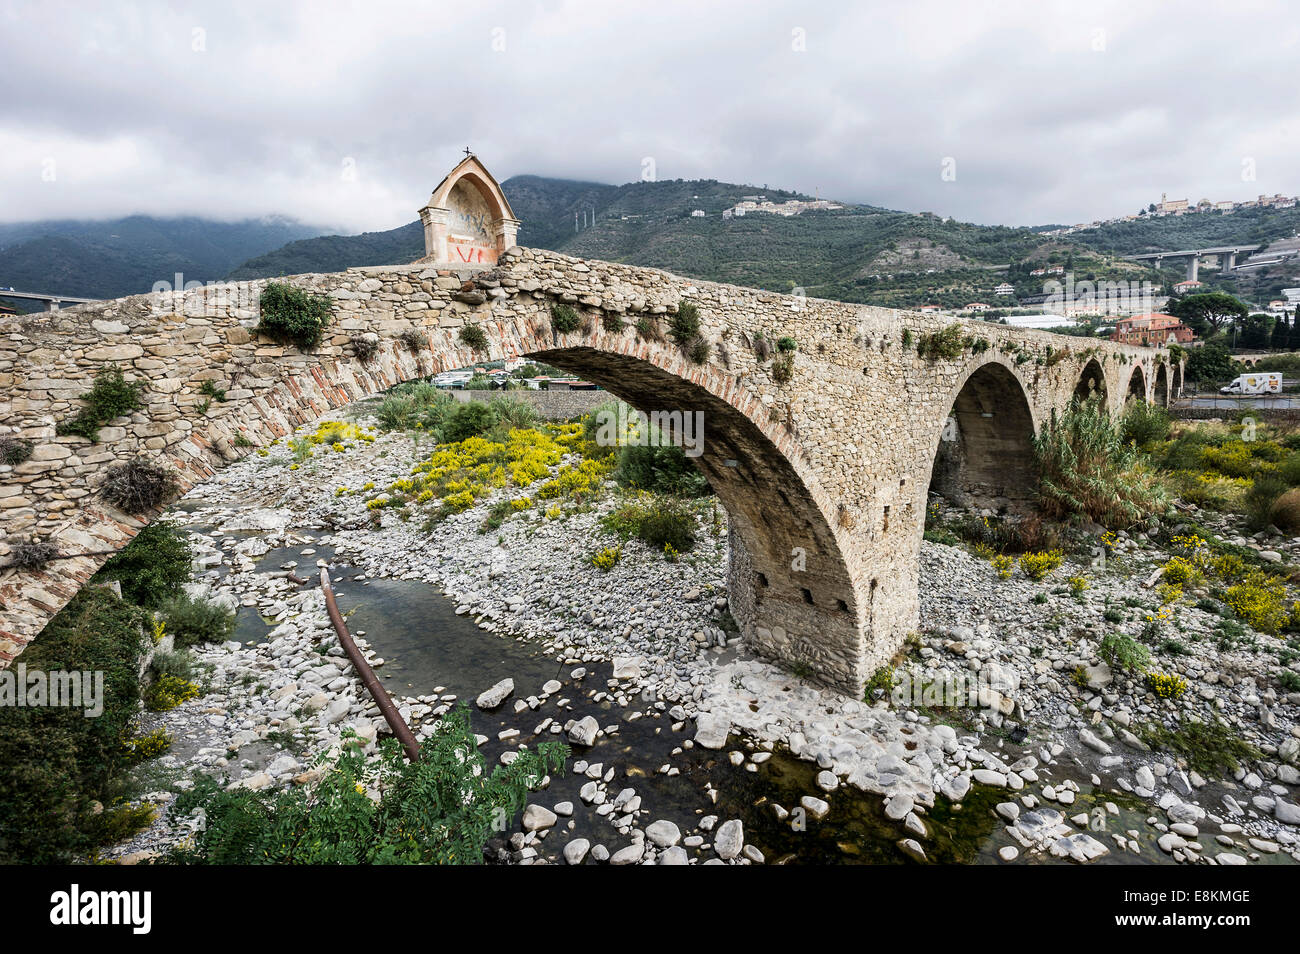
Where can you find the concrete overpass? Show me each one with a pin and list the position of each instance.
(1193, 256)
(51, 302)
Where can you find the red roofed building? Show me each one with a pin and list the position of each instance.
(1152, 331)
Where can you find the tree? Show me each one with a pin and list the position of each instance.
(1209, 362)
(1208, 312)
(1256, 331)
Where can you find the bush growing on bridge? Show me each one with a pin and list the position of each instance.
(365, 346)
(698, 350)
(137, 486)
(474, 337)
(111, 396)
(684, 325)
(647, 328)
(783, 368)
(152, 567)
(55, 763)
(564, 319)
(291, 315)
(15, 450)
(1087, 472)
(32, 556)
(412, 340)
(947, 344)
(442, 809)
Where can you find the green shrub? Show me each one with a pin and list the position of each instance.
(291, 315)
(1122, 651)
(684, 325)
(665, 469)
(1144, 423)
(612, 322)
(656, 520)
(110, 397)
(787, 344)
(212, 391)
(783, 368)
(193, 620)
(416, 405)
(513, 412)
(474, 337)
(564, 319)
(1087, 472)
(1266, 490)
(55, 763)
(947, 344)
(441, 809)
(152, 567)
(470, 419)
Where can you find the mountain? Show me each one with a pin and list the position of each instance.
(116, 257)
(854, 253)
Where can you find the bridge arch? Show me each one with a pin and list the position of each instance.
(1161, 393)
(1092, 382)
(1136, 388)
(984, 453)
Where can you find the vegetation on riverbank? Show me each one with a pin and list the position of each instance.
(442, 809)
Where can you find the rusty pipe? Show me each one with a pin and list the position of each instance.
(401, 730)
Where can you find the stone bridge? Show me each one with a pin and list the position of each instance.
(822, 456)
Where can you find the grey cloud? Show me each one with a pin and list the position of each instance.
(285, 98)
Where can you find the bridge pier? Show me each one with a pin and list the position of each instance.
(1193, 264)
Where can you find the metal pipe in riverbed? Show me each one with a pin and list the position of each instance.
(368, 679)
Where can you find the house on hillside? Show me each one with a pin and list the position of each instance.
(1151, 331)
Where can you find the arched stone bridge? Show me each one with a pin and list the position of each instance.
(824, 473)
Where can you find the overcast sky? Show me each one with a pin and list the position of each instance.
(347, 114)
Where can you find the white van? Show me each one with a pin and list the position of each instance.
(1261, 382)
